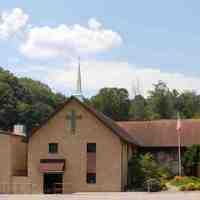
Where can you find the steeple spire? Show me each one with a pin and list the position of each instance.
(78, 93)
(79, 86)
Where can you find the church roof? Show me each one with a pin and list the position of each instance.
(122, 133)
(162, 133)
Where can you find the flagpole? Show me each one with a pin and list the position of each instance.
(178, 129)
(179, 153)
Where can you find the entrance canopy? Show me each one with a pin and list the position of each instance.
(52, 165)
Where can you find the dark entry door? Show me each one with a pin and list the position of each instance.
(53, 183)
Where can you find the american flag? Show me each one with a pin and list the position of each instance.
(178, 124)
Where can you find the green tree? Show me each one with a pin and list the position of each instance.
(138, 108)
(188, 103)
(113, 102)
(149, 166)
(161, 102)
(40, 92)
(143, 168)
(136, 177)
(191, 159)
(25, 101)
(41, 102)
(10, 93)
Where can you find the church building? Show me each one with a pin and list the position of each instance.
(78, 149)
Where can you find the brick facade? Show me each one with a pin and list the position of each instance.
(111, 152)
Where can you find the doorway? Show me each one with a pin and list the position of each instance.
(53, 183)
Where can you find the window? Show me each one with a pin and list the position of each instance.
(91, 148)
(91, 178)
(53, 148)
(91, 163)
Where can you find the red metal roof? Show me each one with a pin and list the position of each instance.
(162, 133)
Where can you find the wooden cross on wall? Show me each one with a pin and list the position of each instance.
(72, 117)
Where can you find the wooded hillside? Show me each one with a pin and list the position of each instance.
(25, 101)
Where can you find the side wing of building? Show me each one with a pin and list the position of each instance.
(13, 154)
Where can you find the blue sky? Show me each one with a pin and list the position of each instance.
(148, 41)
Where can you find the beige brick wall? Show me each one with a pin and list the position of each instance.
(21, 185)
(5, 163)
(73, 149)
(19, 155)
(13, 154)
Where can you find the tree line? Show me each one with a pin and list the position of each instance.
(29, 102)
(161, 103)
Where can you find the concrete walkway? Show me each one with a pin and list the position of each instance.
(110, 196)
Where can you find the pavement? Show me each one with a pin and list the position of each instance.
(110, 196)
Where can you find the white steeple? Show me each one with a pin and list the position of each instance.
(79, 86)
(78, 93)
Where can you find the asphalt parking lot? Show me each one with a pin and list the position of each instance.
(109, 196)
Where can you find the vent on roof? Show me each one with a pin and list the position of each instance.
(19, 130)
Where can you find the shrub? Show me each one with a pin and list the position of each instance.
(163, 186)
(186, 183)
(164, 173)
(135, 174)
(149, 166)
(191, 159)
(143, 168)
(151, 169)
(153, 185)
(182, 188)
(190, 187)
(197, 186)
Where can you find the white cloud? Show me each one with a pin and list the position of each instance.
(94, 24)
(12, 22)
(97, 74)
(69, 41)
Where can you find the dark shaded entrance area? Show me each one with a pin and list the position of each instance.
(53, 183)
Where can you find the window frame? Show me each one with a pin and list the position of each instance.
(53, 146)
(91, 175)
(91, 147)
